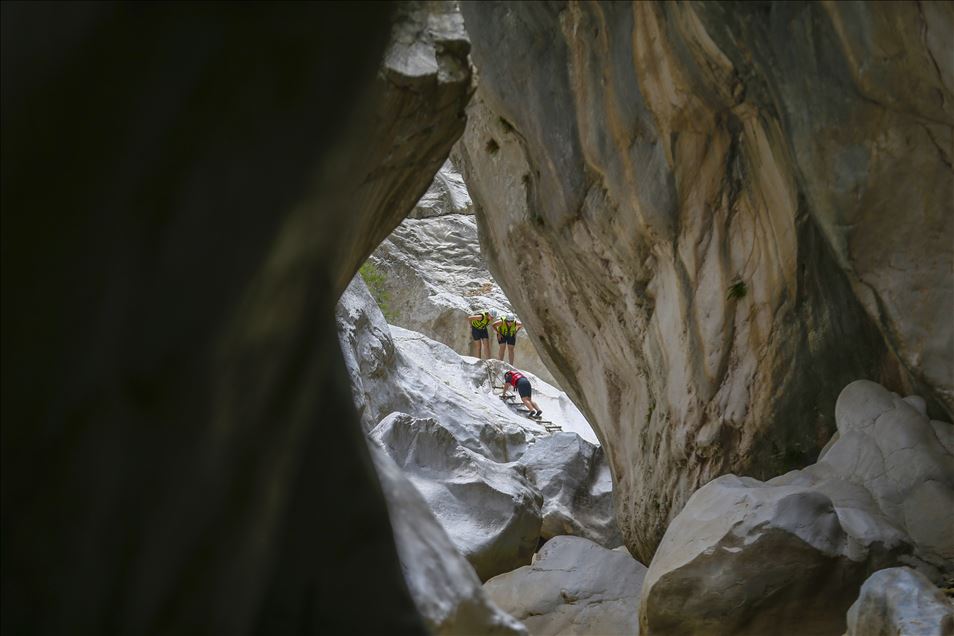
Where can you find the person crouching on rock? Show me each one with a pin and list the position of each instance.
(516, 380)
(507, 328)
(480, 343)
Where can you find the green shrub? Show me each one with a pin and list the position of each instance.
(377, 282)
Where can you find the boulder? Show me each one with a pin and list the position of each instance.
(573, 477)
(574, 586)
(900, 601)
(788, 556)
(490, 511)
(442, 583)
(447, 195)
(433, 276)
(694, 209)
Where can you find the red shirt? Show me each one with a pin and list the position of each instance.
(514, 378)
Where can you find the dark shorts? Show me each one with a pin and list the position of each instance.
(523, 388)
(510, 340)
(479, 333)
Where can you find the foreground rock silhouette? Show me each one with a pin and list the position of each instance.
(177, 421)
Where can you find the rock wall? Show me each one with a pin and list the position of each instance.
(180, 452)
(711, 215)
(494, 479)
(434, 276)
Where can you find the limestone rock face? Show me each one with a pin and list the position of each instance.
(573, 476)
(900, 601)
(573, 587)
(489, 509)
(435, 276)
(396, 370)
(746, 557)
(460, 444)
(443, 584)
(695, 209)
(447, 195)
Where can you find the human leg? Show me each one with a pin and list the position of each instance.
(509, 352)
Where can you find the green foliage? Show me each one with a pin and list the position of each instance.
(377, 281)
(737, 290)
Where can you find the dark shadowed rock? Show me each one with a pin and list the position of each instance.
(177, 420)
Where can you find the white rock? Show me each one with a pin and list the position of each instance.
(900, 602)
(394, 369)
(435, 276)
(443, 584)
(490, 511)
(574, 479)
(573, 586)
(447, 195)
(744, 556)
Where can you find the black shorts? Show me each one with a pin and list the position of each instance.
(479, 333)
(523, 388)
(510, 340)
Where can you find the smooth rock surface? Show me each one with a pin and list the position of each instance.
(574, 586)
(393, 369)
(750, 557)
(489, 509)
(573, 477)
(694, 207)
(435, 276)
(900, 602)
(442, 583)
(447, 195)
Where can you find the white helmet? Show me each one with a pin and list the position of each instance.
(510, 318)
(493, 313)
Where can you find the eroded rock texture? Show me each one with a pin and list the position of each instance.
(748, 557)
(447, 194)
(573, 587)
(474, 459)
(490, 510)
(442, 583)
(177, 421)
(573, 477)
(712, 215)
(900, 601)
(435, 276)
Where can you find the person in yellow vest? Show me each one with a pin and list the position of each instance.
(507, 328)
(480, 339)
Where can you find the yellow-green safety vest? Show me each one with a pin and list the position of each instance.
(508, 328)
(482, 322)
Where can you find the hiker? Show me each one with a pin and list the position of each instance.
(507, 328)
(516, 380)
(480, 343)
